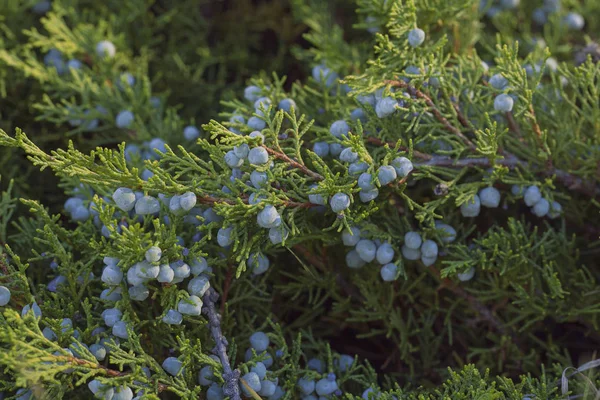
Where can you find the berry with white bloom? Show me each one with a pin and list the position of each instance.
(471, 208)
(147, 205)
(74, 64)
(317, 198)
(467, 275)
(258, 263)
(574, 21)
(165, 274)
(339, 202)
(353, 260)
(262, 102)
(4, 296)
(153, 254)
(187, 201)
(335, 149)
(199, 285)
(206, 376)
(541, 208)
(259, 179)
(258, 156)
(224, 238)
(124, 119)
(403, 166)
(365, 181)
(268, 217)
(555, 210)
(357, 168)
(325, 387)
(517, 190)
(321, 149)
(428, 261)
(448, 232)
(105, 49)
(253, 381)
(366, 250)
(181, 270)
(259, 368)
(173, 317)
(416, 37)
(306, 386)
(532, 195)
(503, 103)
(389, 272)
(190, 306)
(278, 235)
(348, 155)
(429, 249)
(232, 160)
(267, 389)
(145, 270)
(339, 128)
(413, 240)
(324, 75)
(368, 195)
(124, 198)
(351, 238)
(123, 393)
(99, 390)
(386, 174)
(498, 81)
(287, 104)
(215, 392)
(259, 341)
(190, 133)
(111, 316)
(252, 93)
(410, 254)
(172, 365)
(385, 253)
(490, 197)
(139, 292)
(98, 351)
(386, 107)
(256, 123)
(112, 275)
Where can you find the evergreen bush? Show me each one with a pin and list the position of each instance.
(412, 213)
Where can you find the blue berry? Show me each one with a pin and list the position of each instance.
(287, 104)
(120, 330)
(105, 49)
(331, 376)
(124, 119)
(139, 292)
(215, 392)
(56, 282)
(256, 123)
(316, 365)
(181, 270)
(429, 249)
(259, 179)
(241, 151)
(172, 365)
(371, 394)
(147, 205)
(365, 181)
(112, 275)
(259, 341)
(348, 155)
(232, 160)
(257, 134)
(416, 37)
(351, 238)
(190, 306)
(262, 102)
(339, 129)
(321, 149)
(224, 238)
(385, 254)
(112, 294)
(324, 75)
(100, 390)
(4, 296)
(166, 274)
(353, 260)
(260, 370)
(403, 166)
(541, 208)
(466, 276)
(532, 196)
(80, 213)
(339, 202)
(198, 265)
(111, 316)
(258, 156)
(190, 133)
(172, 317)
(206, 376)
(410, 254)
(37, 312)
(503, 103)
(335, 149)
(199, 285)
(268, 217)
(366, 99)
(317, 198)
(448, 232)
(98, 351)
(517, 190)
(386, 107)
(471, 208)
(345, 362)
(153, 254)
(74, 64)
(490, 197)
(368, 195)
(187, 201)
(366, 250)
(253, 381)
(258, 263)
(325, 387)
(267, 388)
(498, 82)
(386, 174)
(358, 114)
(306, 386)
(413, 240)
(278, 235)
(252, 93)
(574, 21)
(555, 210)
(357, 168)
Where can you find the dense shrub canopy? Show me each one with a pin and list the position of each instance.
(305, 199)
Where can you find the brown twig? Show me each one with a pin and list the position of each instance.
(294, 163)
(436, 112)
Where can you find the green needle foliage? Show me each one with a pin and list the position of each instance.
(172, 263)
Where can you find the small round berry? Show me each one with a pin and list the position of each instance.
(252, 93)
(517, 190)
(112, 275)
(153, 254)
(386, 107)
(324, 75)
(335, 149)
(267, 389)
(147, 205)
(259, 179)
(257, 134)
(403, 166)
(555, 210)
(386, 174)
(365, 181)
(317, 198)
(503, 103)
(490, 197)
(206, 376)
(259, 341)
(366, 250)
(410, 254)
(416, 37)
(278, 235)
(105, 49)
(172, 365)
(253, 381)
(541, 208)
(471, 208)
(306, 386)
(413, 240)
(256, 123)
(190, 133)
(124, 119)
(428, 261)
(339, 129)
(4, 296)
(166, 274)
(262, 102)
(358, 114)
(124, 198)
(232, 160)
(448, 232)
(119, 329)
(190, 306)
(215, 392)
(532, 195)
(268, 217)
(357, 168)
(315, 364)
(321, 149)
(258, 264)
(123, 393)
(325, 387)
(224, 238)
(574, 21)
(173, 317)
(389, 273)
(287, 104)
(351, 238)
(429, 249)
(368, 195)
(111, 316)
(353, 260)
(467, 275)
(199, 285)
(385, 253)
(339, 202)
(260, 369)
(258, 156)
(348, 155)
(498, 82)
